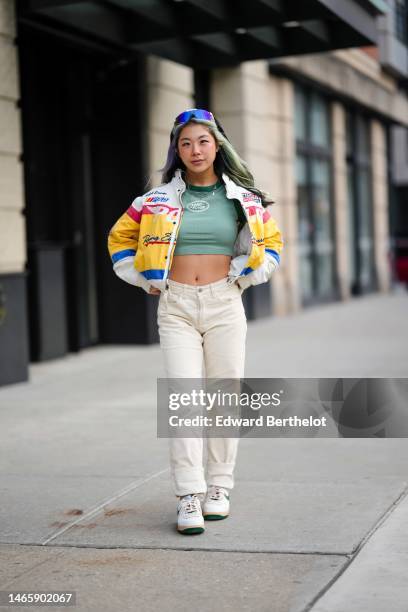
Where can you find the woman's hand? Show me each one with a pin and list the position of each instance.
(154, 291)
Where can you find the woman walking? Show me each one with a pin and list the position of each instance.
(199, 240)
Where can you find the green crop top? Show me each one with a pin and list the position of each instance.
(210, 221)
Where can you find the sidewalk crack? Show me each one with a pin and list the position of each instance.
(96, 509)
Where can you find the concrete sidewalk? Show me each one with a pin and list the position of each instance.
(316, 524)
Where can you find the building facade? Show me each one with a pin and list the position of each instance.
(314, 101)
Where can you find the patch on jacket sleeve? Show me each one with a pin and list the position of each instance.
(157, 199)
(248, 196)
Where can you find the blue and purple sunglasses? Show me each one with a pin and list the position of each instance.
(191, 113)
(197, 113)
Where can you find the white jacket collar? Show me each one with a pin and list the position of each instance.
(178, 180)
(233, 190)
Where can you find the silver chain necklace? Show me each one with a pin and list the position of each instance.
(204, 195)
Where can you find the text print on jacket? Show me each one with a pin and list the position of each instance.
(142, 242)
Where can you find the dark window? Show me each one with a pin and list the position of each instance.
(359, 205)
(314, 196)
(401, 20)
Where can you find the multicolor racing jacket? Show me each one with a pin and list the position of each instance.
(142, 241)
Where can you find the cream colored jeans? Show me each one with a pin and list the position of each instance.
(202, 333)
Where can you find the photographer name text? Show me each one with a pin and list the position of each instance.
(260, 421)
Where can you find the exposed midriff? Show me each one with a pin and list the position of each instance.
(199, 269)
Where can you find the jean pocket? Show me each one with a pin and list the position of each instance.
(229, 294)
(170, 303)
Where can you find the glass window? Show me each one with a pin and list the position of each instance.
(349, 134)
(362, 139)
(319, 116)
(304, 229)
(322, 224)
(300, 114)
(351, 225)
(365, 240)
(360, 214)
(401, 21)
(313, 174)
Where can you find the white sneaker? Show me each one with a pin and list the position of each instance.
(216, 505)
(190, 517)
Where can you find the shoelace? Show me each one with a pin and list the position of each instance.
(216, 494)
(191, 505)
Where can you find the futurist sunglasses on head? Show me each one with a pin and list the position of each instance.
(194, 113)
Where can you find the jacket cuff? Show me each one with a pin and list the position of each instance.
(125, 269)
(244, 282)
(259, 275)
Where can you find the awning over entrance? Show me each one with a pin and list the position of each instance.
(208, 33)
